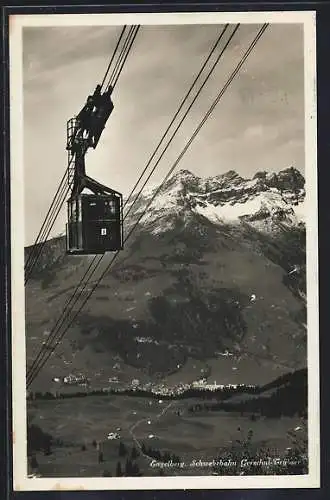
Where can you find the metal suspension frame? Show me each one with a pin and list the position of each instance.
(77, 147)
(78, 144)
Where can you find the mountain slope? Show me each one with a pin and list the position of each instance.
(215, 265)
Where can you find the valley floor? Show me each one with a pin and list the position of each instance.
(154, 437)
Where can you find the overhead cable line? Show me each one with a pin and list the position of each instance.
(62, 318)
(33, 369)
(184, 116)
(63, 189)
(122, 51)
(119, 67)
(30, 260)
(47, 229)
(133, 31)
(184, 100)
(210, 111)
(113, 55)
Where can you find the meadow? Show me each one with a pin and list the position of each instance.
(80, 427)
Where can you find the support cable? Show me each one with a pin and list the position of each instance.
(62, 192)
(62, 318)
(211, 109)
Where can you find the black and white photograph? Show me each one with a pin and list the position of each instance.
(164, 251)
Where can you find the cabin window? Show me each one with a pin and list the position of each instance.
(79, 218)
(74, 212)
(111, 207)
(103, 231)
(77, 211)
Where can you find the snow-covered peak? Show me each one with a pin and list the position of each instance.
(227, 198)
(182, 180)
(261, 210)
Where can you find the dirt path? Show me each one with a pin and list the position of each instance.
(139, 422)
(164, 410)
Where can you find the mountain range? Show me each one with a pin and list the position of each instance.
(214, 274)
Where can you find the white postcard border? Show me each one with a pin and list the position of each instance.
(21, 481)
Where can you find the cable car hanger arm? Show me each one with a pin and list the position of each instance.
(96, 187)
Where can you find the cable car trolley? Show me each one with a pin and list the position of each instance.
(95, 219)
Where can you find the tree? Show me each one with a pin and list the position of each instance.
(38, 440)
(135, 470)
(34, 462)
(94, 443)
(83, 447)
(122, 450)
(118, 470)
(101, 458)
(128, 468)
(47, 449)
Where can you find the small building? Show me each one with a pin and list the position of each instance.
(113, 435)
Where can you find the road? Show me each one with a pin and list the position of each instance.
(142, 420)
(164, 410)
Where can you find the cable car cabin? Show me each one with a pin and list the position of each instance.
(95, 224)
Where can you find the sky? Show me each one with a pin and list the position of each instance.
(257, 125)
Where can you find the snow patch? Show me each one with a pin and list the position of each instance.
(271, 202)
(300, 211)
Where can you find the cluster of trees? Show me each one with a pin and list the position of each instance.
(224, 393)
(129, 468)
(118, 335)
(273, 406)
(209, 311)
(59, 395)
(297, 378)
(38, 441)
(242, 458)
(126, 466)
(288, 399)
(158, 455)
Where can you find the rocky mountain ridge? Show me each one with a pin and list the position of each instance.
(214, 265)
(228, 198)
